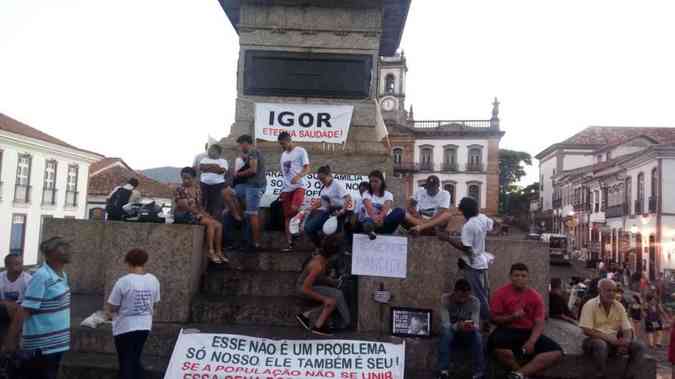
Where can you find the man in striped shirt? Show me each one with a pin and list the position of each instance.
(45, 314)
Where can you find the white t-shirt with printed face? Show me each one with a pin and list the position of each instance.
(428, 205)
(13, 291)
(376, 201)
(292, 163)
(135, 294)
(333, 195)
(211, 178)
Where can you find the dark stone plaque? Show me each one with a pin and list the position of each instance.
(280, 73)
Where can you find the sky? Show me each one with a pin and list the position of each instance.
(149, 80)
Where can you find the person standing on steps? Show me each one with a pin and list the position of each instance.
(474, 261)
(249, 188)
(130, 306)
(213, 169)
(314, 284)
(294, 168)
(44, 315)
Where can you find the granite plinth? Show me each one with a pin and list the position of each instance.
(176, 258)
(432, 271)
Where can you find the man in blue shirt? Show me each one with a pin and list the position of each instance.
(45, 314)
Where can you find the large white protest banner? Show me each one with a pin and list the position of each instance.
(386, 256)
(275, 182)
(227, 356)
(304, 122)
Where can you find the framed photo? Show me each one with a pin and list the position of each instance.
(410, 322)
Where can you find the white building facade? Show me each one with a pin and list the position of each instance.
(40, 177)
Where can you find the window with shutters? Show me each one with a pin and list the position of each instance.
(22, 186)
(71, 186)
(49, 185)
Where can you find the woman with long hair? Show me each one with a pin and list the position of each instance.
(377, 214)
(635, 311)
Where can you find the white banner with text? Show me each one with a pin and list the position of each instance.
(275, 182)
(227, 356)
(386, 256)
(304, 122)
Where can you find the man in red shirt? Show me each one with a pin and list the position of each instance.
(518, 311)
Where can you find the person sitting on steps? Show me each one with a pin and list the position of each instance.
(376, 214)
(333, 200)
(429, 208)
(314, 284)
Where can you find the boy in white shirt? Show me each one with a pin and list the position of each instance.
(294, 168)
(131, 305)
(13, 283)
(212, 180)
(429, 208)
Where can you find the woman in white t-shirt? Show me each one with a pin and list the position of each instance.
(377, 214)
(130, 305)
(212, 170)
(334, 200)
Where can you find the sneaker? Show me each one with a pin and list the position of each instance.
(289, 249)
(515, 375)
(372, 235)
(304, 321)
(322, 331)
(443, 375)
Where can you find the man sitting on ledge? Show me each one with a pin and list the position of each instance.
(428, 209)
(604, 320)
(518, 312)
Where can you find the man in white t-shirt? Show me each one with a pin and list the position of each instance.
(212, 179)
(294, 168)
(333, 200)
(13, 283)
(131, 305)
(474, 261)
(429, 208)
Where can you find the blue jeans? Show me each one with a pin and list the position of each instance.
(314, 225)
(390, 224)
(251, 196)
(452, 340)
(478, 281)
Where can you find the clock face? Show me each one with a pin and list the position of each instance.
(388, 104)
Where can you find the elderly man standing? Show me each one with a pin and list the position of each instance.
(45, 314)
(605, 322)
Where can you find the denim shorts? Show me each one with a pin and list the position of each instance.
(251, 196)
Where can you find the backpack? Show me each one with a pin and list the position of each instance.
(115, 203)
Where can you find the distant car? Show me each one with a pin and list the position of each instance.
(533, 236)
(557, 248)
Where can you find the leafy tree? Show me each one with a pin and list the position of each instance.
(511, 170)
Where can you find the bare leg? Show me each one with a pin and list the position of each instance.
(232, 204)
(254, 219)
(658, 338)
(540, 363)
(506, 358)
(218, 236)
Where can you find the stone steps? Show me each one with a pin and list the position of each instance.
(250, 283)
(269, 259)
(247, 310)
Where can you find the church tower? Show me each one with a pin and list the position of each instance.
(391, 86)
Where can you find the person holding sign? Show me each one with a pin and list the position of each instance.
(518, 311)
(314, 284)
(460, 316)
(130, 306)
(333, 201)
(294, 168)
(429, 208)
(376, 213)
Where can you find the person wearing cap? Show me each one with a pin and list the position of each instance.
(429, 208)
(212, 180)
(460, 329)
(13, 283)
(44, 314)
(333, 201)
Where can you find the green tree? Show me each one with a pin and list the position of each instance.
(511, 170)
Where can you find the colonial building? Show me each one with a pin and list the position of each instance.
(464, 154)
(613, 206)
(108, 173)
(40, 177)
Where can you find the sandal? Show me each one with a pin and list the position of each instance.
(222, 257)
(214, 258)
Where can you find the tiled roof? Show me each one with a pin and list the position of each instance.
(596, 167)
(113, 172)
(612, 135)
(13, 126)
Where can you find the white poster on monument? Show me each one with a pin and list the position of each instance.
(304, 122)
(385, 256)
(275, 182)
(228, 356)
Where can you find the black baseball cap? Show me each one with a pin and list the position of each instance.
(432, 182)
